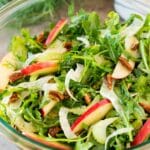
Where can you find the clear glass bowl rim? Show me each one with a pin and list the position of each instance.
(5, 11)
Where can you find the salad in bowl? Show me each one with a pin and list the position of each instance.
(82, 85)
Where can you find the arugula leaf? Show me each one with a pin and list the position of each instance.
(91, 26)
(113, 22)
(30, 43)
(145, 54)
(84, 146)
(3, 114)
(18, 48)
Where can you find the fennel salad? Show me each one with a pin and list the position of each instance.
(85, 84)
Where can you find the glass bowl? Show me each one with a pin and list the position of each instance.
(37, 15)
(126, 8)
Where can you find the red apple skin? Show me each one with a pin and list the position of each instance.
(40, 68)
(50, 144)
(93, 114)
(143, 134)
(55, 31)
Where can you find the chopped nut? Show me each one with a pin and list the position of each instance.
(87, 99)
(55, 95)
(40, 38)
(13, 98)
(68, 45)
(15, 76)
(109, 80)
(54, 130)
(125, 63)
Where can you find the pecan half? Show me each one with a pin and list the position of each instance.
(55, 95)
(68, 45)
(40, 38)
(54, 130)
(124, 62)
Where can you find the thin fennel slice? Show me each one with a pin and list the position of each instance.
(64, 123)
(38, 84)
(111, 95)
(133, 28)
(84, 40)
(73, 75)
(118, 132)
(99, 129)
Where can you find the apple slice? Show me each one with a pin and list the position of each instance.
(92, 115)
(131, 43)
(55, 31)
(47, 108)
(143, 134)
(122, 71)
(124, 66)
(40, 68)
(50, 144)
(54, 97)
(6, 69)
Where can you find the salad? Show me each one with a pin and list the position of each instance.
(83, 85)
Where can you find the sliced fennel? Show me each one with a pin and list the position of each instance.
(99, 129)
(118, 132)
(31, 58)
(84, 40)
(52, 53)
(133, 28)
(38, 84)
(48, 87)
(42, 57)
(64, 123)
(111, 95)
(73, 75)
(18, 121)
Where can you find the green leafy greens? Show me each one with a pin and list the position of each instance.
(85, 41)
